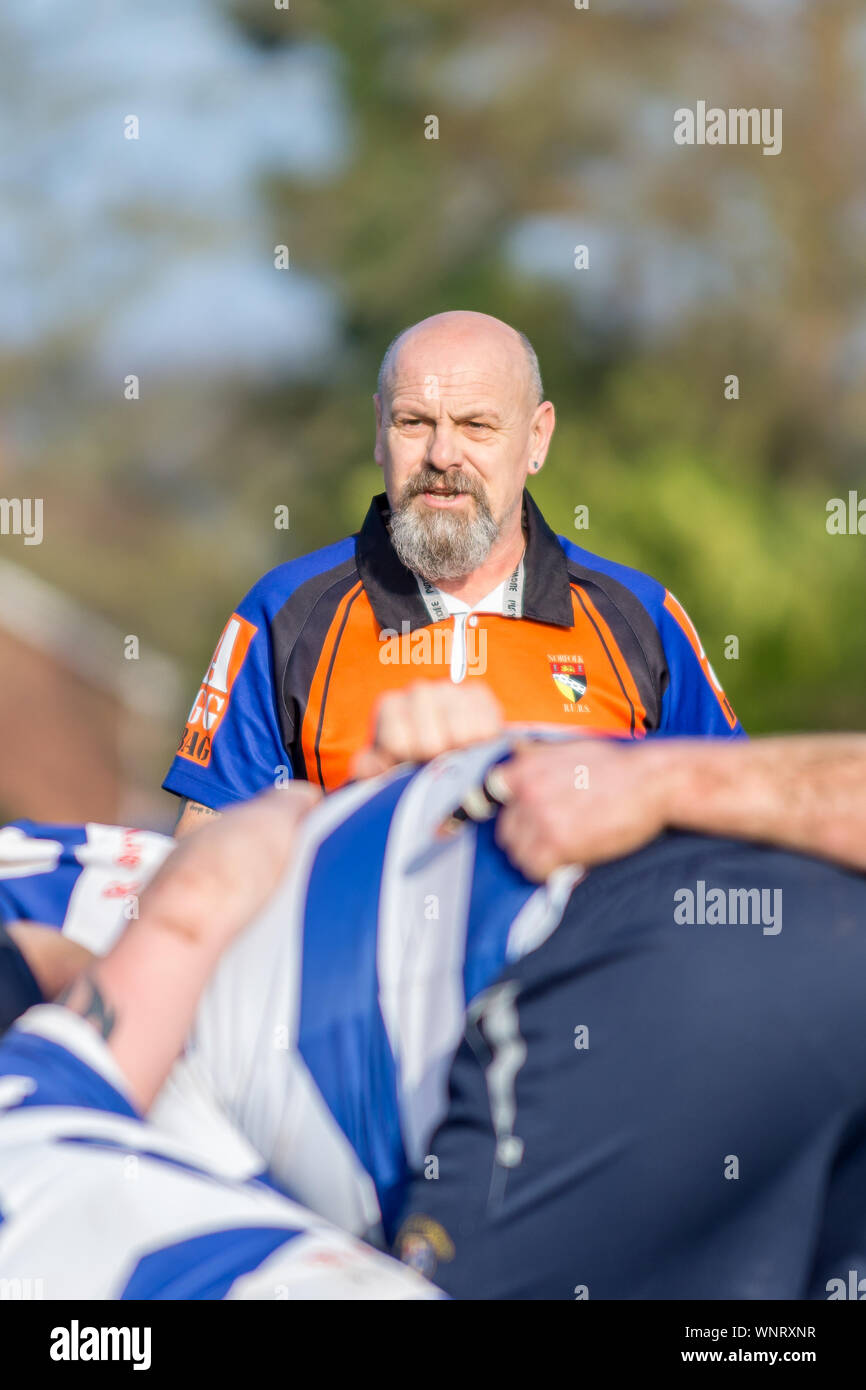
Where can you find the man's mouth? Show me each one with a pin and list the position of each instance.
(440, 497)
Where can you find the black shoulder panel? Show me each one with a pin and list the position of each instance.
(636, 634)
(297, 633)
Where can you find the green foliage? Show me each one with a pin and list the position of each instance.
(564, 114)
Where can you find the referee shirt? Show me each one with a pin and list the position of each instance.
(569, 639)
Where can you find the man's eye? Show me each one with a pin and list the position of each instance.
(477, 425)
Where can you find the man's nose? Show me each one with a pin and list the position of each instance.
(443, 448)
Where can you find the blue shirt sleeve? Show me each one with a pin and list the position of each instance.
(231, 746)
(694, 702)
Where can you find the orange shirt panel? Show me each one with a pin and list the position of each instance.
(573, 677)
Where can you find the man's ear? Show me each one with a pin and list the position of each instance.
(541, 432)
(378, 451)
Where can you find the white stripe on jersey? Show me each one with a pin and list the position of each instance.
(245, 1042)
(22, 855)
(118, 863)
(421, 957)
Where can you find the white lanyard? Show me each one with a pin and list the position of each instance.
(511, 608)
(433, 600)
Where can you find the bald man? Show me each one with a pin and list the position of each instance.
(454, 575)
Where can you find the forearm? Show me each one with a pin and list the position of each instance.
(142, 998)
(805, 792)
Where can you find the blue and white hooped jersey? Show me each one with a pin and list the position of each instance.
(325, 1037)
(327, 1032)
(82, 879)
(95, 1203)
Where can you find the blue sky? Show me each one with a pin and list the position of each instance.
(156, 254)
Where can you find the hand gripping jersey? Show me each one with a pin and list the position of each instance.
(329, 1027)
(97, 1204)
(82, 879)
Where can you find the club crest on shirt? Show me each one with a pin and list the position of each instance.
(569, 677)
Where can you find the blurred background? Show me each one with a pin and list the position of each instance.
(155, 258)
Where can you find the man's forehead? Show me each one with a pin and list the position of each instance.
(459, 383)
(456, 347)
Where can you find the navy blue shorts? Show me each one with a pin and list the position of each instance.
(649, 1106)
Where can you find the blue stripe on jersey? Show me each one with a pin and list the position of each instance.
(44, 897)
(342, 1036)
(498, 893)
(204, 1266)
(61, 1077)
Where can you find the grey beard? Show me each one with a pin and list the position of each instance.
(442, 545)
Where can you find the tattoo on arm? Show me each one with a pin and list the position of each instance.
(84, 997)
(195, 808)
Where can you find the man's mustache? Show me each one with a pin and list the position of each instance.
(443, 484)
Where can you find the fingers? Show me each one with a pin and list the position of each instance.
(532, 774)
(543, 825)
(580, 803)
(521, 835)
(426, 719)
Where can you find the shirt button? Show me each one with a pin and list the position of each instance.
(473, 621)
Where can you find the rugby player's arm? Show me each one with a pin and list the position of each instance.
(142, 996)
(801, 792)
(192, 816)
(596, 800)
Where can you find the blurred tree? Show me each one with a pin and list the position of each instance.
(555, 129)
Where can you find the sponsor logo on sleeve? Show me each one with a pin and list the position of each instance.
(212, 701)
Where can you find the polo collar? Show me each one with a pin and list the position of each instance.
(393, 591)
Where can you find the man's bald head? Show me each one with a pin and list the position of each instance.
(462, 331)
(460, 424)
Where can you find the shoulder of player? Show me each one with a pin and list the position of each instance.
(270, 593)
(621, 583)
